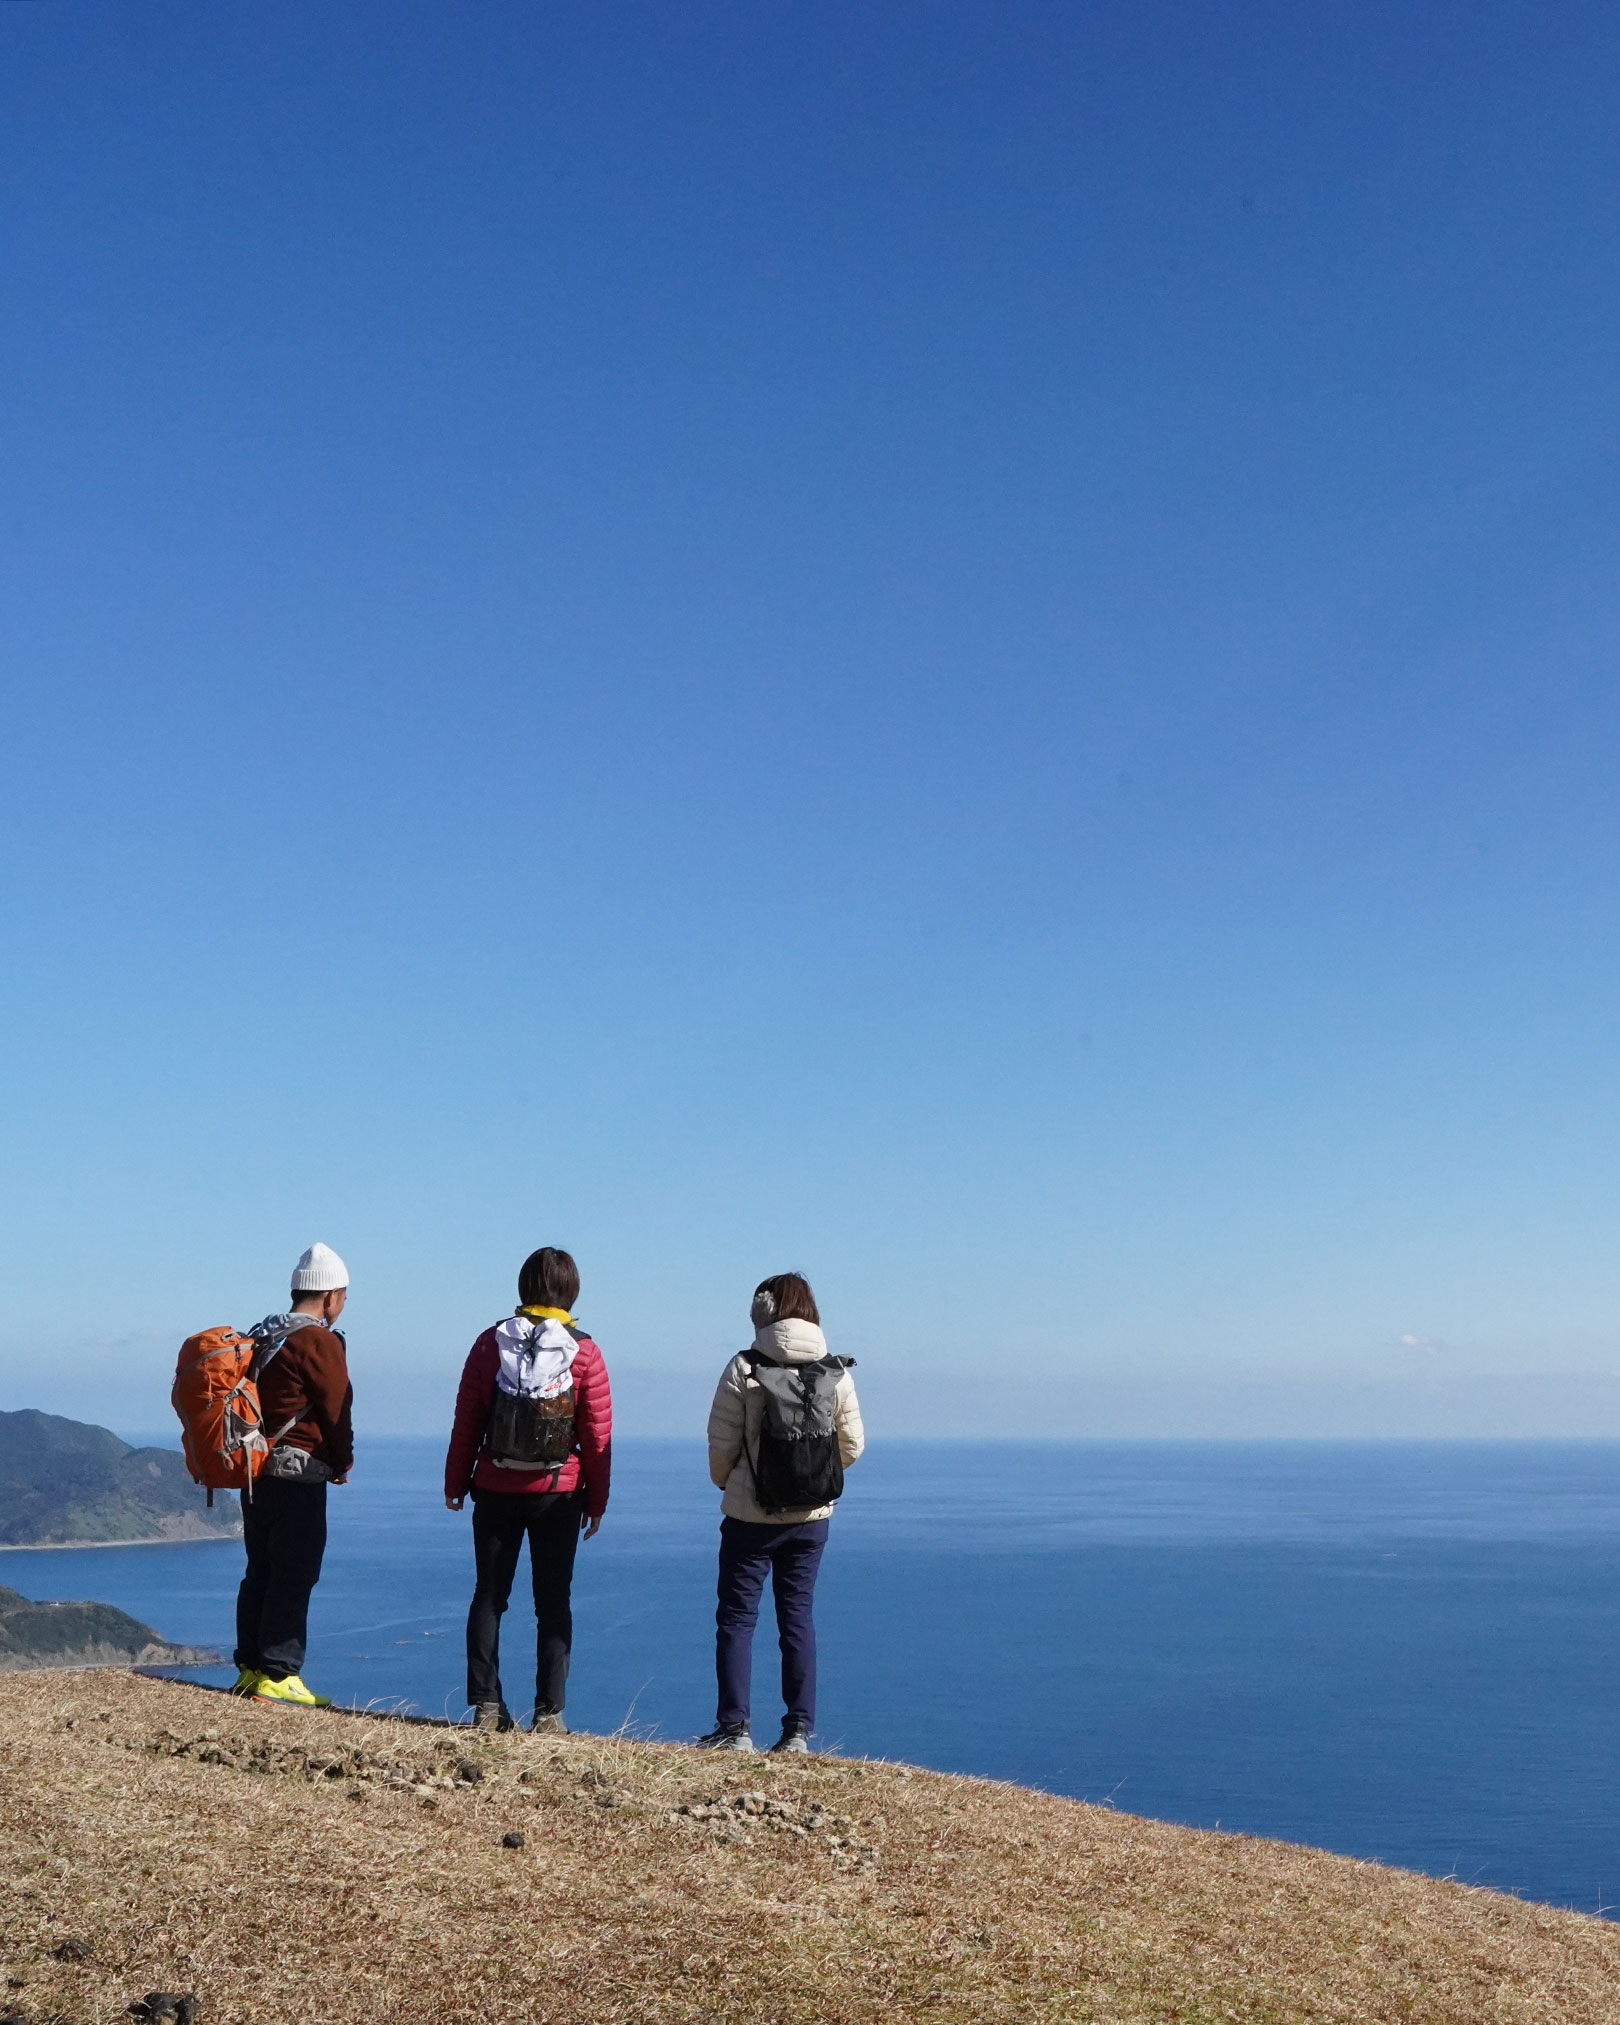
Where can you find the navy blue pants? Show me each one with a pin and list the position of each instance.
(284, 1530)
(790, 1555)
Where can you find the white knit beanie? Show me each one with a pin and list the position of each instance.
(319, 1271)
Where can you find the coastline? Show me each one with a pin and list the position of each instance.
(156, 1540)
(112, 1662)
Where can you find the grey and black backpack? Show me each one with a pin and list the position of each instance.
(797, 1463)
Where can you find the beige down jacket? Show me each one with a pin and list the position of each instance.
(735, 1416)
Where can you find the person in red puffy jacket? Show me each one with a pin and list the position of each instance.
(532, 1447)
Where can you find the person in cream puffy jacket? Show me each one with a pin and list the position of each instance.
(755, 1543)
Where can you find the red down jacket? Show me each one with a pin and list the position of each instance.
(467, 1467)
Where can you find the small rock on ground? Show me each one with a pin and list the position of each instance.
(162, 2005)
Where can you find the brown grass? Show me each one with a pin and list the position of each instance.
(337, 1869)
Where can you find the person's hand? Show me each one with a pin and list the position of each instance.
(589, 1528)
(342, 1479)
(454, 1504)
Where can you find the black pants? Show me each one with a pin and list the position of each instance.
(501, 1519)
(284, 1528)
(790, 1555)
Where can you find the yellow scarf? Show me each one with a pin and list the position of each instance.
(547, 1314)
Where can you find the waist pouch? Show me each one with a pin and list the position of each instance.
(297, 1466)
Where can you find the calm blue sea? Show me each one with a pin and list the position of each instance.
(1402, 1651)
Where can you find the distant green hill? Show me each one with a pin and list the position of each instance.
(82, 1634)
(64, 1482)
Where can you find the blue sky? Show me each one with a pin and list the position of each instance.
(969, 647)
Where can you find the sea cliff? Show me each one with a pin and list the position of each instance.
(55, 1635)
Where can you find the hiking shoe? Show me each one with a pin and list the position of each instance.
(548, 1723)
(292, 1690)
(795, 1739)
(492, 1716)
(246, 1682)
(726, 1737)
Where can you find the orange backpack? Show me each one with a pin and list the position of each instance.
(221, 1420)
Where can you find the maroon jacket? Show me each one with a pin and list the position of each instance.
(467, 1466)
(307, 1382)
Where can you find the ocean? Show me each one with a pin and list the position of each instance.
(1404, 1651)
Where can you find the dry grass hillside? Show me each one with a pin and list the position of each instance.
(331, 1868)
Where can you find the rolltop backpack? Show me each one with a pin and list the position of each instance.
(533, 1434)
(216, 1396)
(797, 1463)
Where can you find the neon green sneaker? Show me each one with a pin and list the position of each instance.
(247, 1681)
(293, 1690)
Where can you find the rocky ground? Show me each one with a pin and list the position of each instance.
(201, 1858)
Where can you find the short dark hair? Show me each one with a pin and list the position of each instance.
(548, 1278)
(792, 1296)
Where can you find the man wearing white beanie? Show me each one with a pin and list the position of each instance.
(302, 1371)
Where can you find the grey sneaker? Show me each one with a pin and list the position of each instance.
(548, 1723)
(726, 1737)
(492, 1716)
(794, 1740)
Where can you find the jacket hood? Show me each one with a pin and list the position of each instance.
(792, 1342)
(274, 1330)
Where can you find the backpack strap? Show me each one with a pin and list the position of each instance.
(265, 1354)
(751, 1361)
